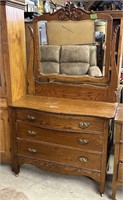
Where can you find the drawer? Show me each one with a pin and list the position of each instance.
(59, 154)
(81, 140)
(60, 121)
(121, 152)
(120, 171)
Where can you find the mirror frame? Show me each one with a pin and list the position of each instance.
(70, 12)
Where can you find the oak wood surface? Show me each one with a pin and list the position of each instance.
(4, 132)
(59, 121)
(60, 154)
(118, 153)
(93, 141)
(119, 114)
(12, 63)
(120, 172)
(67, 106)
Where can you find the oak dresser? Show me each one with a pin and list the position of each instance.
(64, 121)
(61, 135)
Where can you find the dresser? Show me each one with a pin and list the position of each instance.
(118, 154)
(63, 123)
(61, 135)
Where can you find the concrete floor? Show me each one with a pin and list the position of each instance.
(42, 185)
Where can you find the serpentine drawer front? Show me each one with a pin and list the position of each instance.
(59, 121)
(59, 154)
(80, 140)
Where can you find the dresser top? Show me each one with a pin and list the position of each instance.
(67, 106)
(119, 114)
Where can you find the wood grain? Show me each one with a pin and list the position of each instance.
(4, 133)
(67, 106)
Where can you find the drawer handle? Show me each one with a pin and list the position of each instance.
(31, 117)
(83, 141)
(32, 133)
(83, 159)
(84, 124)
(32, 150)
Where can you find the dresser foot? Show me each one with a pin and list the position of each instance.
(113, 196)
(101, 194)
(17, 175)
(16, 170)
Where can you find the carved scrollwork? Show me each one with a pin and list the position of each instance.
(71, 12)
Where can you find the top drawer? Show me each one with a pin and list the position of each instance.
(60, 121)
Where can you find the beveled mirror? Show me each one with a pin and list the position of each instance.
(72, 45)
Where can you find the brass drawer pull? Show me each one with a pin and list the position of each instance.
(32, 150)
(30, 117)
(83, 141)
(83, 159)
(32, 133)
(84, 124)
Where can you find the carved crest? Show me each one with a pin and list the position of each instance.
(71, 12)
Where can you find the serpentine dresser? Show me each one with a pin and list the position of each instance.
(62, 135)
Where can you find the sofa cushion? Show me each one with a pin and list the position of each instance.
(75, 53)
(74, 68)
(93, 55)
(49, 53)
(94, 71)
(49, 68)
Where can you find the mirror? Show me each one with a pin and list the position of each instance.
(73, 45)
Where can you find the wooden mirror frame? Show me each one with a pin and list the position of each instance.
(70, 12)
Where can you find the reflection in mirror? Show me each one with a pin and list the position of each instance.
(72, 48)
(72, 45)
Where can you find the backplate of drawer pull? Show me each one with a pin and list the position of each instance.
(31, 150)
(31, 117)
(32, 133)
(84, 124)
(83, 159)
(83, 141)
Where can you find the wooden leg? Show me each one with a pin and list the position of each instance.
(114, 185)
(16, 168)
(101, 190)
(102, 184)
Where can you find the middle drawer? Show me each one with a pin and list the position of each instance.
(81, 140)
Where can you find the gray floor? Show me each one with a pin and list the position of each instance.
(41, 185)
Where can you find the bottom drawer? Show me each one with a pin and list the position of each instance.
(59, 154)
(120, 171)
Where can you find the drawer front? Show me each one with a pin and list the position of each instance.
(121, 152)
(80, 140)
(120, 171)
(59, 154)
(58, 121)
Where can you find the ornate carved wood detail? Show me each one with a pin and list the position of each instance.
(60, 168)
(71, 12)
